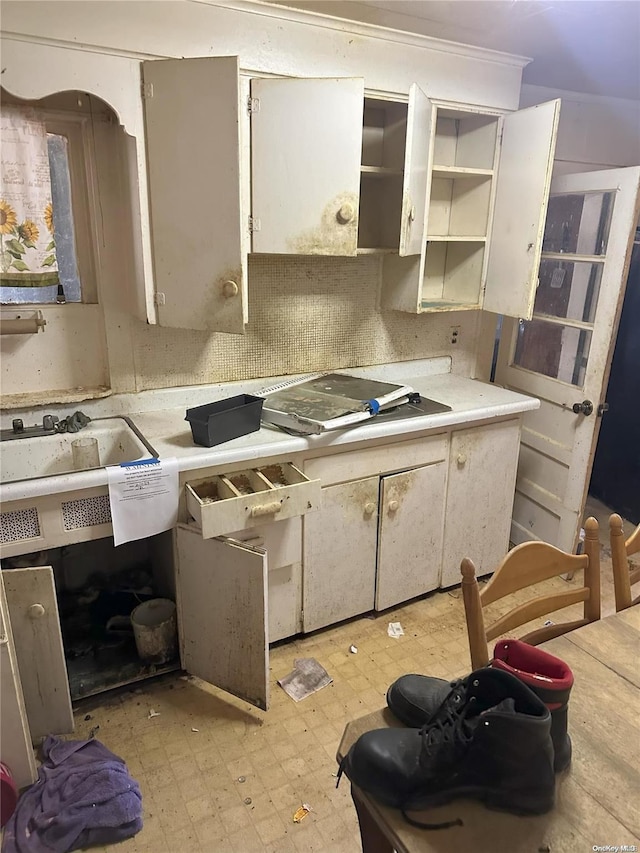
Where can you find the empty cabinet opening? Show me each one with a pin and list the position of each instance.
(459, 206)
(465, 140)
(384, 139)
(97, 586)
(453, 274)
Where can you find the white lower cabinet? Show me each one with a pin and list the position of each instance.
(376, 541)
(410, 534)
(480, 493)
(221, 587)
(339, 558)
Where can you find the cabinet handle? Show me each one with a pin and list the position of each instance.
(36, 611)
(461, 459)
(265, 509)
(369, 509)
(345, 213)
(229, 289)
(393, 506)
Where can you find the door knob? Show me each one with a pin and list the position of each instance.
(345, 214)
(393, 506)
(584, 408)
(36, 611)
(229, 289)
(369, 509)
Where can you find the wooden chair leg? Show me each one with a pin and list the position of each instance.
(372, 837)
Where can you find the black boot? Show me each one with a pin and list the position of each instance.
(493, 745)
(414, 699)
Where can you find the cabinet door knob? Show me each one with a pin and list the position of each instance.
(393, 506)
(345, 214)
(36, 611)
(461, 459)
(369, 508)
(229, 289)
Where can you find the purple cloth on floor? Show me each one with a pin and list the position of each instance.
(83, 796)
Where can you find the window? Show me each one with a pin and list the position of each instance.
(70, 167)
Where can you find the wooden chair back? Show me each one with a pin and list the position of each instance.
(624, 575)
(525, 566)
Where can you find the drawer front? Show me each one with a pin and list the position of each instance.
(383, 459)
(241, 499)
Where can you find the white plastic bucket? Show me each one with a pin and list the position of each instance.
(154, 630)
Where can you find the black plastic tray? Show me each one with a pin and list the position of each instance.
(224, 420)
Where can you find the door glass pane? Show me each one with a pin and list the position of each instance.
(552, 349)
(578, 223)
(568, 289)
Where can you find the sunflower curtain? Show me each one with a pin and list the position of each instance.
(28, 253)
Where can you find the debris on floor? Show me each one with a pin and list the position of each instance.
(301, 813)
(153, 713)
(353, 650)
(395, 630)
(308, 677)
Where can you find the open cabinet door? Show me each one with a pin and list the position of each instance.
(222, 613)
(564, 353)
(198, 231)
(416, 172)
(33, 611)
(306, 146)
(15, 738)
(522, 188)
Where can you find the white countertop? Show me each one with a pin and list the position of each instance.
(160, 417)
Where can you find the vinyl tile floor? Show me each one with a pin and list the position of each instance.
(219, 776)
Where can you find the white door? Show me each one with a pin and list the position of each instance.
(410, 535)
(416, 161)
(340, 554)
(17, 752)
(524, 175)
(199, 232)
(221, 590)
(33, 611)
(564, 353)
(306, 146)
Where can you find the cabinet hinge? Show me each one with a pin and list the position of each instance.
(254, 224)
(159, 298)
(147, 90)
(253, 105)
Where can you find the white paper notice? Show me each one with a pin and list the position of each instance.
(143, 497)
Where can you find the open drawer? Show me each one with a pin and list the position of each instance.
(234, 501)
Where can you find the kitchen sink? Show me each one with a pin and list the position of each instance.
(116, 440)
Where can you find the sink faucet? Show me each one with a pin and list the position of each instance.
(19, 430)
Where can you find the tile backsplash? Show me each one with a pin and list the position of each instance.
(306, 314)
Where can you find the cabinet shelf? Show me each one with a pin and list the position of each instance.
(460, 172)
(377, 251)
(452, 238)
(447, 305)
(381, 171)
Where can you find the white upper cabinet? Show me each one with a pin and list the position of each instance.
(453, 198)
(306, 138)
(522, 190)
(488, 183)
(198, 232)
(416, 158)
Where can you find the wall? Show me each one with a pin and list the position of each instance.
(594, 132)
(304, 314)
